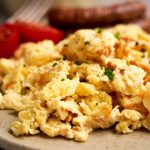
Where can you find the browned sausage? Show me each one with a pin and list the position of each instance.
(99, 16)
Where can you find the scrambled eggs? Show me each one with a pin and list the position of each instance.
(92, 79)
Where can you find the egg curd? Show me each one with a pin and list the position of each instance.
(92, 79)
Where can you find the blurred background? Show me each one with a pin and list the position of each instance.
(8, 7)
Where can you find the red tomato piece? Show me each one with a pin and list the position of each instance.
(9, 41)
(37, 32)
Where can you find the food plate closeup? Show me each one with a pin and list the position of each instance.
(79, 80)
(99, 139)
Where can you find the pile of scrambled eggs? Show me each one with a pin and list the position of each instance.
(92, 79)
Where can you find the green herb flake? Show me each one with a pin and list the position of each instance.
(142, 50)
(62, 79)
(64, 57)
(86, 42)
(117, 35)
(100, 30)
(109, 73)
(77, 62)
(55, 64)
(143, 56)
(96, 104)
(22, 93)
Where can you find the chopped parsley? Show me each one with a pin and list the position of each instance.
(142, 50)
(109, 73)
(96, 104)
(117, 35)
(77, 62)
(143, 56)
(55, 64)
(22, 92)
(62, 79)
(100, 30)
(86, 42)
(64, 57)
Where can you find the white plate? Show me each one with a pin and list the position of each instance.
(98, 140)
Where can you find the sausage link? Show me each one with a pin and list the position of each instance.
(99, 16)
